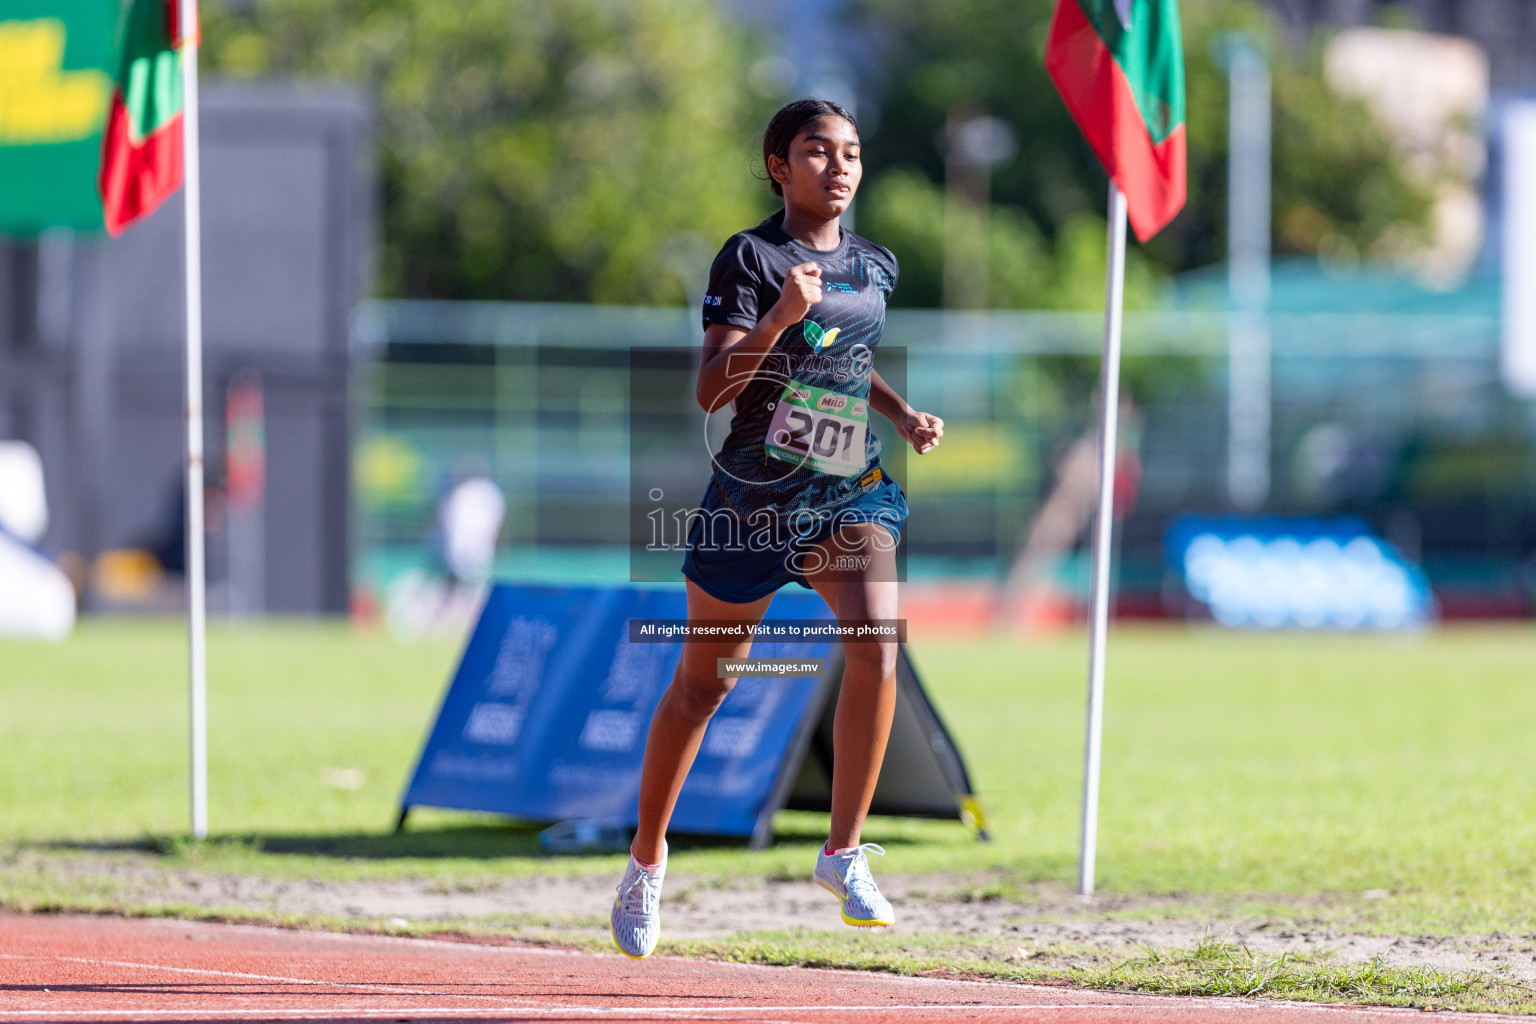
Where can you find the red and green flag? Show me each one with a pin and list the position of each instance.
(1119, 65)
(141, 155)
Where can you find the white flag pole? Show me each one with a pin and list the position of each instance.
(197, 684)
(1104, 522)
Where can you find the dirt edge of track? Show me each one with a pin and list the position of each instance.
(960, 918)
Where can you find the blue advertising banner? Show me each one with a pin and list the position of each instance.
(547, 715)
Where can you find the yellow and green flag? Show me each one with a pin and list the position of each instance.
(56, 60)
(1119, 65)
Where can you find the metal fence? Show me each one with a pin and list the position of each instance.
(1400, 418)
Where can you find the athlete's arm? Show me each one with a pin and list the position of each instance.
(885, 401)
(921, 430)
(732, 355)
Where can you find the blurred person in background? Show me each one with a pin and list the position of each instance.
(1032, 599)
(37, 598)
(469, 521)
(793, 313)
(445, 599)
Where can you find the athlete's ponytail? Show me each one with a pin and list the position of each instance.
(788, 123)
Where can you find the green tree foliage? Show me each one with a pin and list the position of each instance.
(593, 150)
(905, 211)
(1338, 180)
(580, 150)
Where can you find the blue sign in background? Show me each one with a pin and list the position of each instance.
(547, 714)
(1323, 572)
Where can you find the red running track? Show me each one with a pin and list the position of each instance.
(84, 969)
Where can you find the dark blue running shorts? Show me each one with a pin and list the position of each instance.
(732, 561)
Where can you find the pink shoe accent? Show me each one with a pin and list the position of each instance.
(828, 850)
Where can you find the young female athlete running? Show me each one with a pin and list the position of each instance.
(793, 314)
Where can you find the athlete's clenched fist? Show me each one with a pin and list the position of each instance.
(801, 291)
(921, 430)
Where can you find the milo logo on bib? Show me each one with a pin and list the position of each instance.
(816, 337)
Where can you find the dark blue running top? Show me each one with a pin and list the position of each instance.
(744, 283)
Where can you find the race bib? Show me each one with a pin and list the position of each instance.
(824, 430)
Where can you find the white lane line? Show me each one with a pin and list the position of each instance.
(764, 1010)
(437, 1011)
(1147, 1001)
(697, 1012)
(514, 949)
(524, 1006)
(1230, 1002)
(383, 988)
(379, 987)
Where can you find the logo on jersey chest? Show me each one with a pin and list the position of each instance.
(817, 338)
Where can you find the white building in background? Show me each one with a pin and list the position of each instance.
(1505, 29)
(1431, 92)
(1460, 94)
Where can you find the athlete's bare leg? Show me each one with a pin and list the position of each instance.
(681, 717)
(857, 578)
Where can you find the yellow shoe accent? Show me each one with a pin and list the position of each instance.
(620, 948)
(615, 939)
(842, 907)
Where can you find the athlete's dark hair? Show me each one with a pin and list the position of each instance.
(788, 123)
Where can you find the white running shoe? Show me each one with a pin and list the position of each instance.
(846, 876)
(635, 922)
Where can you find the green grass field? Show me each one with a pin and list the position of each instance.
(1246, 767)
